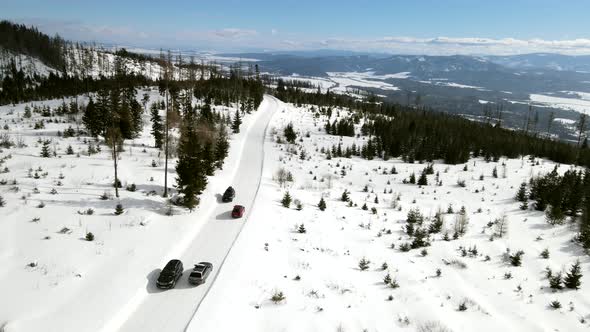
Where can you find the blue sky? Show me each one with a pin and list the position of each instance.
(428, 26)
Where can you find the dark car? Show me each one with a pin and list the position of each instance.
(238, 211)
(228, 195)
(170, 274)
(200, 273)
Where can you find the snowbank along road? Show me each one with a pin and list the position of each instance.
(172, 310)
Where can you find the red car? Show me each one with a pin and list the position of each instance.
(238, 211)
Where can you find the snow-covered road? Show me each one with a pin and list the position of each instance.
(172, 310)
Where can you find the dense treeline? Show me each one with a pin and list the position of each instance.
(341, 127)
(21, 39)
(561, 196)
(203, 143)
(17, 87)
(423, 135)
(116, 115)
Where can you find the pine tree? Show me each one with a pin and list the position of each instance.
(221, 146)
(286, 201)
(45, 152)
(387, 279)
(573, 277)
(521, 195)
(92, 119)
(2, 201)
(437, 224)
(208, 159)
(301, 229)
(235, 126)
(191, 169)
(423, 180)
(322, 204)
(554, 215)
(556, 281)
(157, 127)
(69, 150)
(302, 155)
(495, 172)
(345, 197)
(119, 209)
(412, 178)
(289, 133)
(364, 264)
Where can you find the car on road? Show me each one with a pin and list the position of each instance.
(238, 211)
(228, 195)
(170, 274)
(200, 273)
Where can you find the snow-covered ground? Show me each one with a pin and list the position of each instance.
(154, 310)
(318, 271)
(442, 82)
(345, 82)
(52, 279)
(574, 104)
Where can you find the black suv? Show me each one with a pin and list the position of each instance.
(228, 195)
(170, 274)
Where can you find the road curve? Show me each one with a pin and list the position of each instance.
(172, 310)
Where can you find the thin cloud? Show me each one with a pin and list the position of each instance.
(238, 39)
(234, 33)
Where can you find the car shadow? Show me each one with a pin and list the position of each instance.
(183, 283)
(224, 216)
(152, 277)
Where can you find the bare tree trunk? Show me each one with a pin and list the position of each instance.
(166, 150)
(115, 158)
(581, 127)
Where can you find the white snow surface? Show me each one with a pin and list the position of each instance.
(361, 79)
(573, 104)
(59, 282)
(318, 271)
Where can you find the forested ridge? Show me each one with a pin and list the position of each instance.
(21, 39)
(422, 134)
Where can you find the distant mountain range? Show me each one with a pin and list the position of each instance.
(458, 84)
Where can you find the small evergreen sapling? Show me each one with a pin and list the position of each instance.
(286, 201)
(322, 204)
(521, 195)
(301, 229)
(345, 197)
(516, 258)
(89, 236)
(45, 152)
(119, 209)
(556, 281)
(277, 297)
(555, 304)
(364, 264)
(387, 279)
(573, 278)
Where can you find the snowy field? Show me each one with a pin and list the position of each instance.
(581, 105)
(317, 272)
(52, 278)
